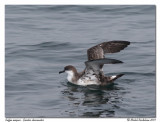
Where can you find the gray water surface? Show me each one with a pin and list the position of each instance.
(41, 40)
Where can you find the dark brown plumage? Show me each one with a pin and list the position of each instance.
(98, 51)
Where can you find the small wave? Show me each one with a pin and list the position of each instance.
(138, 73)
(144, 42)
(48, 44)
(51, 45)
(68, 8)
(24, 50)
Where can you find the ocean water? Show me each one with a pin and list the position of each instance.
(41, 40)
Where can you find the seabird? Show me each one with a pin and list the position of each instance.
(93, 73)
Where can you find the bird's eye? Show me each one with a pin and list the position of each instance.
(65, 68)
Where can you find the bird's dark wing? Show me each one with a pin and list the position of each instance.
(114, 46)
(98, 51)
(95, 65)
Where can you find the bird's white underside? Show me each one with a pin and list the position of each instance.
(87, 79)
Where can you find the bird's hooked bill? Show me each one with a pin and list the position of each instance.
(61, 71)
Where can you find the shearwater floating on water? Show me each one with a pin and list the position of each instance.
(93, 73)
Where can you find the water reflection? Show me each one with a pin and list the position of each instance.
(108, 113)
(92, 101)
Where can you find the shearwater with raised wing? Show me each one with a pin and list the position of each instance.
(93, 73)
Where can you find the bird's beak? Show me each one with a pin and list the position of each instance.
(61, 71)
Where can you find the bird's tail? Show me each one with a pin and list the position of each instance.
(116, 77)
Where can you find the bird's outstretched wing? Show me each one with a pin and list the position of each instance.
(98, 51)
(95, 65)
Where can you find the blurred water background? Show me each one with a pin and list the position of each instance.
(41, 40)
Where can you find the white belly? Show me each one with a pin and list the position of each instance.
(88, 80)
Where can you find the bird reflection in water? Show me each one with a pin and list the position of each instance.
(92, 101)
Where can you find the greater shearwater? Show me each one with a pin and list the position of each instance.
(93, 73)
